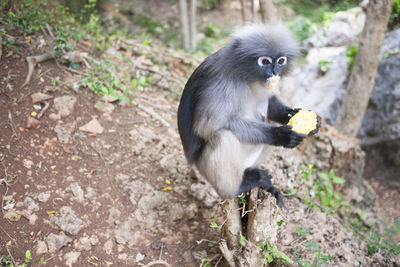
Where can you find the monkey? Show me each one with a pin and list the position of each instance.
(226, 109)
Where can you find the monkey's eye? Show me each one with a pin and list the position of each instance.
(264, 61)
(282, 60)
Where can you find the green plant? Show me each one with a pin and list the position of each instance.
(271, 253)
(42, 261)
(302, 27)
(319, 258)
(394, 19)
(209, 4)
(102, 79)
(384, 243)
(28, 256)
(323, 65)
(324, 191)
(351, 53)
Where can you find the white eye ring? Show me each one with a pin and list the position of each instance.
(282, 60)
(264, 61)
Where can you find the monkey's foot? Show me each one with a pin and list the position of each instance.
(254, 177)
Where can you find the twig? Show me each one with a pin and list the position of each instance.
(46, 106)
(1, 50)
(2, 229)
(152, 113)
(12, 258)
(157, 262)
(33, 60)
(11, 123)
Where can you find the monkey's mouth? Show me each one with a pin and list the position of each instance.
(272, 82)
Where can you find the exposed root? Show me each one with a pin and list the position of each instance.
(228, 254)
(33, 60)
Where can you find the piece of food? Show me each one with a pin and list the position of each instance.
(273, 82)
(304, 121)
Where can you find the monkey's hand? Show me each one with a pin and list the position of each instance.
(284, 136)
(313, 132)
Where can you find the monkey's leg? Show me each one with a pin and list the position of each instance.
(254, 177)
(223, 162)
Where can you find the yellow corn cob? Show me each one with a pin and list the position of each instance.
(303, 122)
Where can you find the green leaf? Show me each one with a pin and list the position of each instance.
(214, 225)
(270, 258)
(279, 223)
(284, 257)
(323, 176)
(338, 180)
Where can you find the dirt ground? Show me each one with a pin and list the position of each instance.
(123, 197)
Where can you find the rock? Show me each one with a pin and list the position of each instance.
(108, 246)
(12, 215)
(39, 97)
(380, 130)
(204, 193)
(32, 219)
(322, 92)
(54, 117)
(83, 243)
(55, 242)
(28, 163)
(32, 122)
(343, 30)
(92, 126)
(64, 105)
(104, 107)
(67, 220)
(41, 247)
(77, 191)
(94, 240)
(64, 131)
(71, 257)
(43, 197)
(30, 205)
(113, 216)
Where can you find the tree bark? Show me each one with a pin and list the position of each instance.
(362, 77)
(184, 20)
(268, 11)
(193, 9)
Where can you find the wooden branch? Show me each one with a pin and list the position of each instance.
(33, 60)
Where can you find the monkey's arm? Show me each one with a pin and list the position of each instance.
(279, 112)
(255, 132)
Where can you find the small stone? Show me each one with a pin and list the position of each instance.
(55, 242)
(27, 163)
(32, 122)
(43, 197)
(41, 247)
(54, 117)
(92, 126)
(108, 246)
(64, 105)
(104, 107)
(32, 219)
(71, 257)
(12, 215)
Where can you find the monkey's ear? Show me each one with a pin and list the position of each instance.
(236, 44)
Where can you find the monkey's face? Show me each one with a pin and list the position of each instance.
(272, 67)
